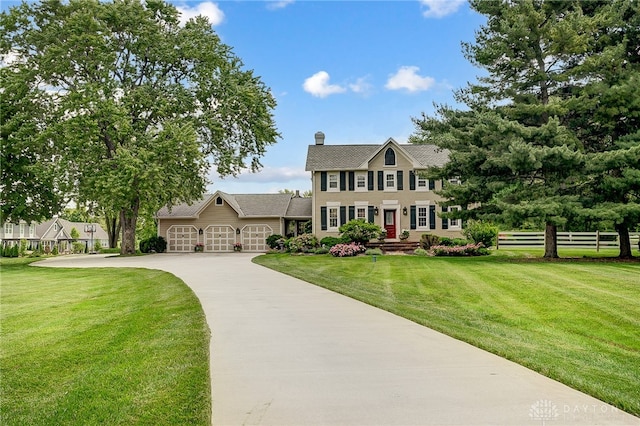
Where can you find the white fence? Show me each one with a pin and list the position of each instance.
(595, 240)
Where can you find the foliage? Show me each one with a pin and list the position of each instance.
(332, 241)
(347, 250)
(54, 251)
(136, 106)
(321, 250)
(237, 246)
(74, 233)
(302, 243)
(481, 232)
(23, 247)
(78, 247)
(155, 244)
(470, 249)
(97, 246)
(420, 252)
(274, 241)
(428, 240)
(451, 242)
(360, 231)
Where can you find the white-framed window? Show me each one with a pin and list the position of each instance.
(390, 181)
(8, 229)
(361, 212)
(361, 181)
(333, 182)
(333, 219)
(454, 223)
(422, 215)
(455, 181)
(422, 184)
(55, 227)
(22, 229)
(219, 201)
(32, 230)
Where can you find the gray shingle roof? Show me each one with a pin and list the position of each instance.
(345, 157)
(247, 205)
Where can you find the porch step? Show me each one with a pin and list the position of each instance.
(395, 246)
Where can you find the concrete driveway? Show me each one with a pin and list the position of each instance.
(285, 352)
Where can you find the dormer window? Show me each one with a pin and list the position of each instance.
(390, 157)
(219, 201)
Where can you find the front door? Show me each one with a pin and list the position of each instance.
(390, 223)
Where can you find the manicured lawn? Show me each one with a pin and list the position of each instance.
(577, 321)
(101, 346)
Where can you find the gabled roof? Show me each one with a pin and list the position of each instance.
(357, 157)
(246, 205)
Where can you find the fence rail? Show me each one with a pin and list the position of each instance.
(595, 240)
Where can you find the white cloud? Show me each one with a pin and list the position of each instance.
(207, 8)
(407, 78)
(278, 4)
(361, 86)
(266, 174)
(318, 85)
(440, 8)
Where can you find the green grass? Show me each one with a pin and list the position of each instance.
(576, 321)
(101, 346)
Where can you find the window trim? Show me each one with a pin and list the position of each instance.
(454, 223)
(388, 188)
(363, 176)
(395, 157)
(422, 205)
(335, 180)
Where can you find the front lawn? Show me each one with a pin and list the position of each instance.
(101, 346)
(576, 321)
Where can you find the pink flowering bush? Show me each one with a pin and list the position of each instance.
(465, 250)
(346, 250)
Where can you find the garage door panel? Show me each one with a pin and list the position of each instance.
(181, 238)
(219, 238)
(254, 237)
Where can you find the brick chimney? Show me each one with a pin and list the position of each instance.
(319, 138)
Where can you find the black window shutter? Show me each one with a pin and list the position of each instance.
(352, 183)
(432, 184)
(370, 180)
(352, 212)
(380, 181)
(432, 217)
(323, 181)
(343, 181)
(323, 218)
(413, 217)
(400, 183)
(371, 214)
(412, 180)
(445, 222)
(343, 215)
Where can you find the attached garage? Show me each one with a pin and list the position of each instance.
(220, 220)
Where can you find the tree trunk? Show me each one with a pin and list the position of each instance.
(625, 242)
(128, 220)
(551, 241)
(113, 228)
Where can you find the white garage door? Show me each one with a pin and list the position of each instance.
(219, 238)
(254, 236)
(181, 238)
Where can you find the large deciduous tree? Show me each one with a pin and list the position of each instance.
(141, 106)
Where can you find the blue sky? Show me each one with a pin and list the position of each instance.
(356, 70)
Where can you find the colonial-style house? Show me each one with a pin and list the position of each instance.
(53, 233)
(377, 183)
(219, 221)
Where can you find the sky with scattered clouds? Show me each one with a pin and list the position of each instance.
(359, 71)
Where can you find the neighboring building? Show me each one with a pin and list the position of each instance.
(220, 220)
(52, 233)
(377, 183)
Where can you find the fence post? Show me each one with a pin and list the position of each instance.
(498, 241)
(597, 240)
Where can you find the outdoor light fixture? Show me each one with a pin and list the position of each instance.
(404, 210)
(375, 211)
(200, 231)
(238, 231)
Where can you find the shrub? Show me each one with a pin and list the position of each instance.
(359, 231)
(452, 242)
(321, 250)
(155, 243)
(55, 250)
(302, 243)
(97, 247)
(481, 232)
(373, 252)
(462, 250)
(428, 240)
(420, 252)
(23, 247)
(274, 241)
(78, 247)
(332, 241)
(347, 250)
